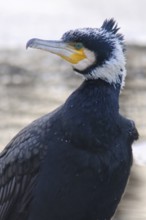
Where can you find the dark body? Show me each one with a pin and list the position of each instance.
(72, 164)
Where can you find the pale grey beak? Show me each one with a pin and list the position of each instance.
(63, 49)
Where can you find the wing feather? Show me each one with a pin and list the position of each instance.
(19, 166)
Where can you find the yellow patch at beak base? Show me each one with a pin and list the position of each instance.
(75, 57)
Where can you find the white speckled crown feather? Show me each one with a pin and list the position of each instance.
(103, 40)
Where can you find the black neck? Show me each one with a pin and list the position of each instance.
(95, 96)
(89, 111)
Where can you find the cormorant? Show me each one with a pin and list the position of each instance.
(74, 163)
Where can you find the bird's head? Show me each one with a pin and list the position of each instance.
(96, 53)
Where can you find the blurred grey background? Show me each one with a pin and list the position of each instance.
(33, 83)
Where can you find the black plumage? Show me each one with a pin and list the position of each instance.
(73, 163)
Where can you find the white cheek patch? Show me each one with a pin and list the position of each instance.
(88, 61)
(111, 70)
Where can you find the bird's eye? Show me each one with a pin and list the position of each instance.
(78, 46)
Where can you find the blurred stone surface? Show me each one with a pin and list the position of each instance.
(132, 205)
(32, 83)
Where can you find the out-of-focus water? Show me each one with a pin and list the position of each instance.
(21, 20)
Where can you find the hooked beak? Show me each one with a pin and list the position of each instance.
(65, 50)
